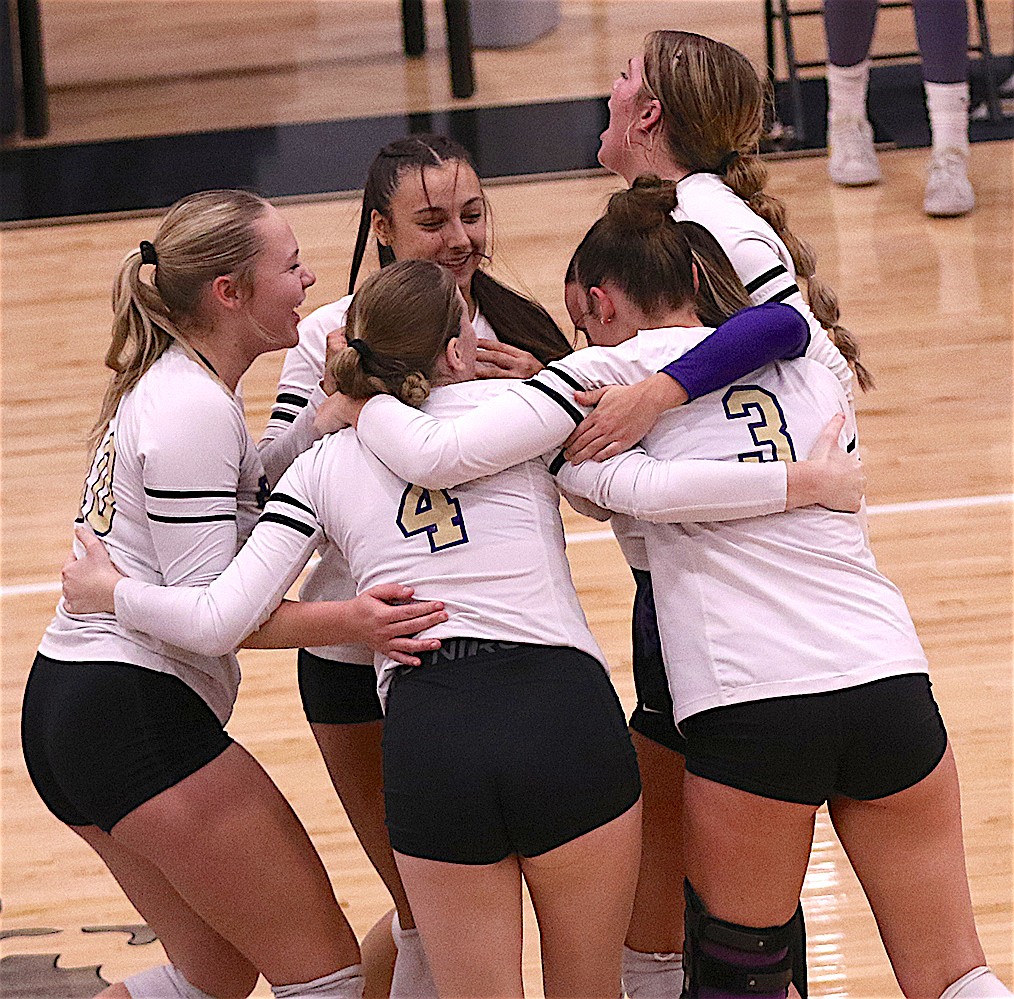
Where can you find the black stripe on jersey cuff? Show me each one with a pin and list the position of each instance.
(283, 415)
(207, 519)
(557, 463)
(851, 445)
(780, 296)
(568, 407)
(188, 493)
(567, 377)
(759, 282)
(288, 399)
(292, 501)
(296, 525)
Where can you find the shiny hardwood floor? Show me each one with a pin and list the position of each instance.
(932, 303)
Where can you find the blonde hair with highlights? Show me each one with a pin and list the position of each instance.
(713, 106)
(405, 315)
(201, 237)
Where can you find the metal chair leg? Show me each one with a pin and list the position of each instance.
(795, 90)
(459, 46)
(33, 72)
(986, 56)
(413, 27)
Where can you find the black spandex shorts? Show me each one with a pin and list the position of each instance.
(653, 716)
(863, 742)
(335, 693)
(102, 738)
(515, 749)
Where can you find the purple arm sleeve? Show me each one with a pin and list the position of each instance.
(747, 341)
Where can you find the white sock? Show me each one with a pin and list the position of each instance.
(652, 976)
(346, 983)
(846, 91)
(948, 113)
(979, 983)
(412, 976)
(164, 982)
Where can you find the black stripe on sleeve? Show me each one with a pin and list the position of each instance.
(759, 282)
(568, 407)
(287, 398)
(191, 520)
(567, 377)
(283, 415)
(296, 525)
(292, 501)
(851, 445)
(557, 463)
(188, 493)
(783, 294)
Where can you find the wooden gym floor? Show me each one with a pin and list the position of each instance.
(931, 301)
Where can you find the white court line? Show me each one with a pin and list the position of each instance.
(585, 537)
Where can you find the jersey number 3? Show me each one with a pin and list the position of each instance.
(99, 504)
(765, 420)
(435, 512)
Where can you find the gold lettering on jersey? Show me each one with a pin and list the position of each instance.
(765, 420)
(433, 512)
(99, 504)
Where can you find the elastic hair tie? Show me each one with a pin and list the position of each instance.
(727, 160)
(362, 348)
(148, 254)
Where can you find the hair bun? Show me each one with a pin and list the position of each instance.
(645, 206)
(415, 389)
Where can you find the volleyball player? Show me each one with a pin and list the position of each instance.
(422, 199)
(123, 734)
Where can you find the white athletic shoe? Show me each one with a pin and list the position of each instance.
(948, 190)
(853, 160)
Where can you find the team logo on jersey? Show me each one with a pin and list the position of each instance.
(98, 505)
(434, 512)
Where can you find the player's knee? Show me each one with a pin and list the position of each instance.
(737, 960)
(979, 983)
(346, 983)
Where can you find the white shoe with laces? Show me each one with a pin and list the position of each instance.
(853, 160)
(948, 190)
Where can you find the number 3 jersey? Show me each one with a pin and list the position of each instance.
(764, 606)
(176, 484)
(492, 550)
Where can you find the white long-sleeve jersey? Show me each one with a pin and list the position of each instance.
(491, 550)
(175, 486)
(759, 257)
(770, 606)
(290, 432)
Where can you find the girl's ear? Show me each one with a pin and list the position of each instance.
(381, 227)
(650, 116)
(453, 356)
(226, 292)
(603, 307)
(697, 277)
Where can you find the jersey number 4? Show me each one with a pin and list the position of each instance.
(766, 422)
(99, 505)
(435, 512)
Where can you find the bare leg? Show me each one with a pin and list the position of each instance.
(582, 915)
(908, 853)
(379, 953)
(229, 844)
(470, 920)
(656, 924)
(354, 760)
(746, 855)
(205, 959)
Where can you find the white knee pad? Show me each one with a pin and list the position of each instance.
(163, 982)
(652, 976)
(347, 983)
(979, 983)
(412, 976)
